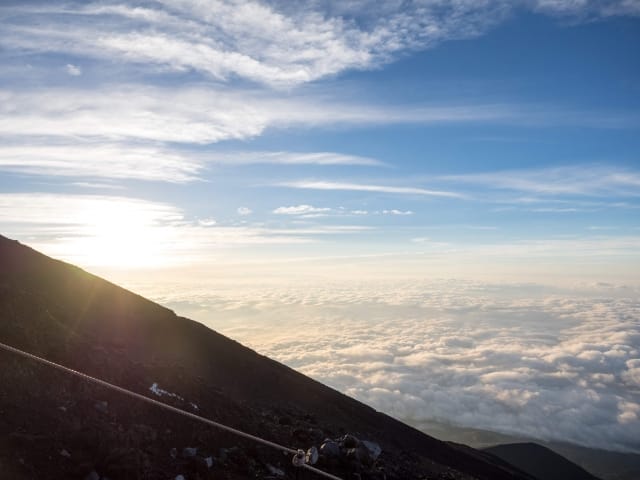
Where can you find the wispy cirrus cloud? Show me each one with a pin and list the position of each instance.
(358, 187)
(327, 230)
(587, 9)
(293, 158)
(131, 113)
(101, 160)
(309, 211)
(395, 211)
(587, 180)
(147, 161)
(280, 44)
(205, 115)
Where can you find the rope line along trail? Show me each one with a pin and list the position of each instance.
(298, 455)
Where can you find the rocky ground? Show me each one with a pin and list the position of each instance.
(57, 426)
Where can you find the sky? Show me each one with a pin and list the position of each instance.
(464, 174)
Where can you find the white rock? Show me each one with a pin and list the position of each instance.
(155, 388)
(374, 449)
(275, 471)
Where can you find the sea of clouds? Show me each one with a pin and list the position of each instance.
(547, 362)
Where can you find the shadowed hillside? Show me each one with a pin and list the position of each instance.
(604, 464)
(540, 462)
(53, 425)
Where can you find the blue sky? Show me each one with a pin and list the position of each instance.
(242, 131)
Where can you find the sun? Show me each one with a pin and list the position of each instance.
(120, 233)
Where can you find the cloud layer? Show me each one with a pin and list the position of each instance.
(521, 359)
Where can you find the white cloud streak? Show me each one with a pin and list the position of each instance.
(205, 115)
(123, 160)
(293, 158)
(577, 180)
(587, 8)
(300, 210)
(309, 211)
(131, 113)
(114, 161)
(357, 187)
(394, 211)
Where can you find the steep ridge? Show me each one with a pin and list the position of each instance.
(56, 426)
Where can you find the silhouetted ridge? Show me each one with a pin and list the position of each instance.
(540, 462)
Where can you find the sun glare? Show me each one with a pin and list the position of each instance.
(121, 233)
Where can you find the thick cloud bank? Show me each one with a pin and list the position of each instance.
(549, 363)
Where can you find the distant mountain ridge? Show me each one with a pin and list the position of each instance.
(604, 464)
(53, 426)
(539, 461)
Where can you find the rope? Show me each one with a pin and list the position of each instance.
(157, 403)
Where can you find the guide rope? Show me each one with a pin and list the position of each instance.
(296, 453)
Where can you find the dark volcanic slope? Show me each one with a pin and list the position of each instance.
(56, 426)
(540, 462)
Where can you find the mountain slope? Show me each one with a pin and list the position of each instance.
(56, 426)
(540, 462)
